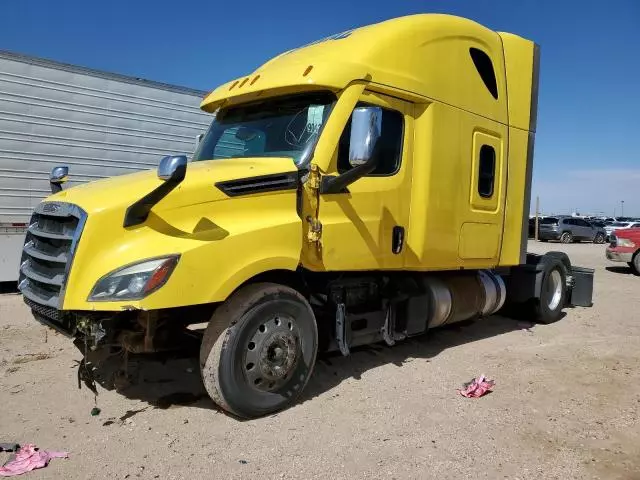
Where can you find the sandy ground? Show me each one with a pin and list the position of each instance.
(566, 404)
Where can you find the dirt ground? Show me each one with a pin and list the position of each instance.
(566, 404)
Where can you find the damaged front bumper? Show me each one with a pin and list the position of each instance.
(132, 330)
(60, 321)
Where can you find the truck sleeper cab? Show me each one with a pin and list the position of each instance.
(364, 188)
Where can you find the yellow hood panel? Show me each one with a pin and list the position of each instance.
(197, 187)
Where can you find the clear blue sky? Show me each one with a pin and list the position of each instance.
(587, 147)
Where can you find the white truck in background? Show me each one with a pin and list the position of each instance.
(99, 124)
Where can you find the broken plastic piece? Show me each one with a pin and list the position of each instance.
(9, 447)
(29, 458)
(477, 387)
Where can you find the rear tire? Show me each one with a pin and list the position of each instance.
(259, 350)
(600, 238)
(566, 237)
(553, 293)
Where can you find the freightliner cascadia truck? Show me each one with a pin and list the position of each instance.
(364, 188)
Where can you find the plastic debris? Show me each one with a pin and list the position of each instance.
(95, 411)
(29, 458)
(477, 387)
(9, 447)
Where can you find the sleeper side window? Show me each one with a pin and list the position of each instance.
(392, 129)
(484, 66)
(487, 171)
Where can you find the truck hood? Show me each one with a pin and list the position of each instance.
(198, 186)
(210, 230)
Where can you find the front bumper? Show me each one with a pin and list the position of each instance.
(60, 321)
(620, 254)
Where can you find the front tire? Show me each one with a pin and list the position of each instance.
(600, 238)
(566, 237)
(259, 349)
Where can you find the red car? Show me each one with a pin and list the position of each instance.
(624, 247)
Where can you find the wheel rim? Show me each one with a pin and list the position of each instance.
(272, 353)
(554, 287)
(566, 238)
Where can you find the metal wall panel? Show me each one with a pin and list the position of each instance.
(99, 124)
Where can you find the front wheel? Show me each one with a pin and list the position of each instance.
(259, 350)
(599, 238)
(566, 237)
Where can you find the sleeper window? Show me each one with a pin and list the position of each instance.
(487, 171)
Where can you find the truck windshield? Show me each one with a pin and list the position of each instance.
(286, 126)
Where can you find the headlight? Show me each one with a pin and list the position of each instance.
(625, 242)
(135, 281)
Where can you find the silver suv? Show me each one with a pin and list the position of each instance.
(569, 229)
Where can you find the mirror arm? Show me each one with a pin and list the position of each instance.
(138, 212)
(340, 183)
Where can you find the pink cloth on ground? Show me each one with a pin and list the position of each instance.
(477, 387)
(29, 458)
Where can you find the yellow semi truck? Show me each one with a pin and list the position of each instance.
(364, 188)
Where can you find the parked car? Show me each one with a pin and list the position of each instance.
(569, 229)
(625, 247)
(532, 226)
(619, 226)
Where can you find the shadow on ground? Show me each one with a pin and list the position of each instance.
(163, 380)
(170, 381)
(620, 269)
(332, 369)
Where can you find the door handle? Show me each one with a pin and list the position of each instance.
(397, 239)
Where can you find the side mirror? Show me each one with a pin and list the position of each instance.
(57, 177)
(173, 168)
(364, 147)
(366, 127)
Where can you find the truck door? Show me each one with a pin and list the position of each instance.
(365, 228)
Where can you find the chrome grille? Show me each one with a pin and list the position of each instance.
(51, 240)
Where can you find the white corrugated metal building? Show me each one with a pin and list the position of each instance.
(99, 124)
